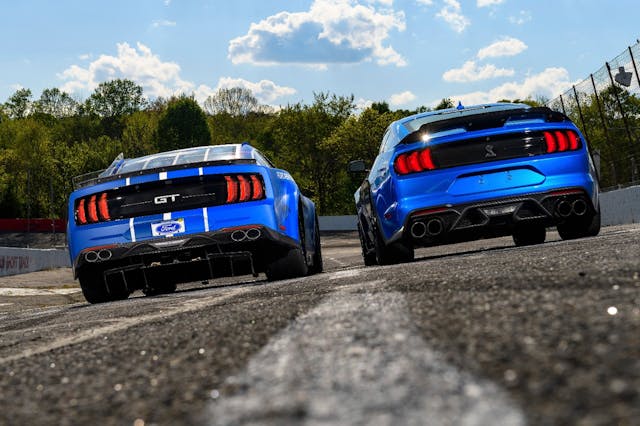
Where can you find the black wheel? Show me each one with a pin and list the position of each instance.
(389, 254)
(529, 235)
(292, 265)
(580, 227)
(317, 265)
(369, 257)
(93, 287)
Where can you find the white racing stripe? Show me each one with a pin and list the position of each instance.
(356, 360)
(132, 230)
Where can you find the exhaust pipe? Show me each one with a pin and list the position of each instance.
(563, 208)
(91, 256)
(579, 207)
(238, 235)
(104, 254)
(253, 234)
(418, 230)
(435, 227)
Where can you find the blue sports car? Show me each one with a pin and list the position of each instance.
(467, 173)
(193, 214)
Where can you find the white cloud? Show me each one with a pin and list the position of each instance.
(523, 17)
(265, 91)
(508, 46)
(549, 83)
(470, 71)
(84, 56)
(156, 77)
(451, 14)
(332, 31)
(163, 23)
(425, 2)
(401, 98)
(485, 3)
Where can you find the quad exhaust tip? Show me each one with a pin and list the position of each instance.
(250, 234)
(93, 256)
(432, 227)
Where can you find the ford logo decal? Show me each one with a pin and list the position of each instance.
(169, 228)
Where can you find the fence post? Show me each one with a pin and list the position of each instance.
(584, 126)
(626, 124)
(562, 104)
(604, 126)
(633, 61)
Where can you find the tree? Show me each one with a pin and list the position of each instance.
(183, 124)
(236, 101)
(298, 134)
(19, 104)
(445, 103)
(116, 98)
(56, 103)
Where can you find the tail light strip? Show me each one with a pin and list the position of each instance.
(239, 188)
(422, 160)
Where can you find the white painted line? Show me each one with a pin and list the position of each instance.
(356, 359)
(339, 262)
(6, 291)
(119, 324)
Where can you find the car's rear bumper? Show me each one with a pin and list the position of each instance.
(227, 252)
(495, 217)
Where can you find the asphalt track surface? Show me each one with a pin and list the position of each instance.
(481, 333)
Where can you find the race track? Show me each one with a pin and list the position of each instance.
(480, 333)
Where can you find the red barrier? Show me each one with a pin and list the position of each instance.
(33, 225)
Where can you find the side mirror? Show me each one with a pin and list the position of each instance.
(357, 166)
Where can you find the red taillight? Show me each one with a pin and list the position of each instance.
(232, 190)
(401, 164)
(425, 160)
(92, 210)
(561, 141)
(550, 141)
(257, 190)
(81, 213)
(414, 162)
(245, 188)
(103, 208)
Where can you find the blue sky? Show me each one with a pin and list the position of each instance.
(405, 52)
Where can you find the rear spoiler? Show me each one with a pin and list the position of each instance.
(94, 178)
(485, 120)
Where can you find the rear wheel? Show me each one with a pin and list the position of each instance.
(580, 227)
(368, 256)
(529, 235)
(96, 290)
(317, 265)
(389, 254)
(291, 265)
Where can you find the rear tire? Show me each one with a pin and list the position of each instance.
(368, 257)
(93, 287)
(580, 227)
(291, 265)
(529, 235)
(317, 266)
(393, 253)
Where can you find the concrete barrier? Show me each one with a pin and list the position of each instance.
(337, 223)
(21, 260)
(621, 206)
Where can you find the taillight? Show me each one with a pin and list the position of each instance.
(92, 209)
(561, 141)
(244, 188)
(414, 162)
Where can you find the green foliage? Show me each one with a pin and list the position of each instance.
(235, 101)
(55, 103)
(19, 104)
(182, 125)
(445, 104)
(116, 98)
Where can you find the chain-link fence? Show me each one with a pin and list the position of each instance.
(606, 107)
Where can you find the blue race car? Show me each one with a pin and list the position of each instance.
(194, 214)
(467, 173)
